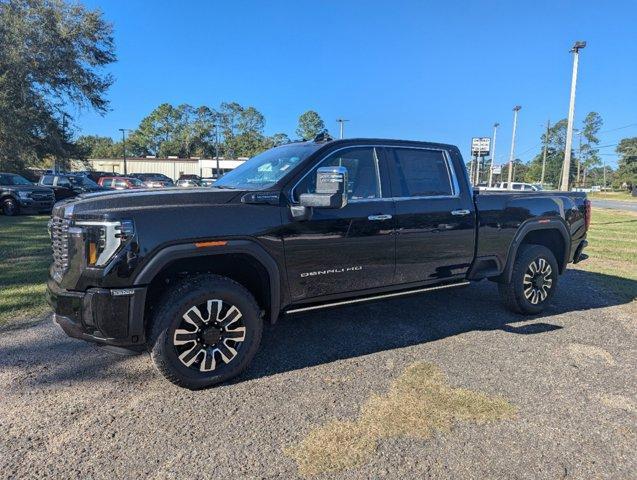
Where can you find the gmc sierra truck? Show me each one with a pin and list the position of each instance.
(191, 275)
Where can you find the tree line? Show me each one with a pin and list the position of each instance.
(587, 166)
(184, 131)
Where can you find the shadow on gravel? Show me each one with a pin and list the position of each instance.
(320, 337)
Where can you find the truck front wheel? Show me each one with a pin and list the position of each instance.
(533, 280)
(206, 330)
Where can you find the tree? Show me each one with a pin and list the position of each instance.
(310, 125)
(590, 155)
(627, 164)
(555, 143)
(242, 130)
(278, 139)
(51, 56)
(94, 146)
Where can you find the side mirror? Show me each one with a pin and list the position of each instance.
(331, 186)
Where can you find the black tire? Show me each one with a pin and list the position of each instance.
(175, 312)
(10, 207)
(521, 294)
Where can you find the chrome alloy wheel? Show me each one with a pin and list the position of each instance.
(204, 340)
(537, 281)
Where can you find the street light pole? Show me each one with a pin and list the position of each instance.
(495, 132)
(566, 170)
(341, 121)
(546, 146)
(123, 130)
(516, 109)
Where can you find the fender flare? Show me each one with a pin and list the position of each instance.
(188, 250)
(530, 226)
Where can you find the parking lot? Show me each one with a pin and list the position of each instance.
(567, 379)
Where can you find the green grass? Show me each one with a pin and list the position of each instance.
(25, 254)
(612, 246)
(623, 196)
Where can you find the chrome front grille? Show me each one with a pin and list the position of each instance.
(41, 197)
(59, 228)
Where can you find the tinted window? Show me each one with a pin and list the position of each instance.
(8, 179)
(63, 182)
(107, 182)
(121, 184)
(516, 186)
(47, 180)
(362, 173)
(420, 173)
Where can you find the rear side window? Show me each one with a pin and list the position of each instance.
(107, 183)
(420, 173)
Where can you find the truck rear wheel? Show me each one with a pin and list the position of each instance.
(533, 280)
(206, 330)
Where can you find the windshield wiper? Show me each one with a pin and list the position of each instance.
(224, 186)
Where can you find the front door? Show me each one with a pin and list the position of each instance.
(348, 249)
(435, 221)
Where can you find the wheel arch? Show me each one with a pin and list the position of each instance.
(241, 260)
(552, 234)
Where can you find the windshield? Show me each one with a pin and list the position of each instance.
(267, 168)
(13, 180)
(83, 182)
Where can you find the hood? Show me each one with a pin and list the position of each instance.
(113, 201)
(27, 188)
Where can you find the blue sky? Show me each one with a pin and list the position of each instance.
(438, 71)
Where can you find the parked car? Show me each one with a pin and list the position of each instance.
(154, 180)
(189, 181)
(18, 195)
(191, 275)
(65, 185)
(527, 187)
(95, 175)
(120, 183)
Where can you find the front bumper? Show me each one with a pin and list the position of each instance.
(104, 316)
(29, 204)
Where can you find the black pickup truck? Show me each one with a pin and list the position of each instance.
(191, 275)
(18, 195)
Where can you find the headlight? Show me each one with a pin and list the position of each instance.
(105, 239)
(23, 194)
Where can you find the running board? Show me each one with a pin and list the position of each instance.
(375, 297)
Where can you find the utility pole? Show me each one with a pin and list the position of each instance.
(217, 148)
(341, 121)
(495, 132)
(546, 146)
(478, 157)
(566, 170)
(579, 157)
(124, 130)
(516, 109)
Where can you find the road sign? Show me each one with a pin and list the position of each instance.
(480, 146)
(497, 169)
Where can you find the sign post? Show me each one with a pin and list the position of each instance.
(480, 147)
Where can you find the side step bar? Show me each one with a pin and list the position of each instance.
(376, 297)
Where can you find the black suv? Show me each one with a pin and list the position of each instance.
(17, 195)
(69, 185)
(192, 274)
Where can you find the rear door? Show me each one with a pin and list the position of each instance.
(349, 249)
(435, 220)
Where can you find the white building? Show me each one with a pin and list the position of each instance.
(171, 167)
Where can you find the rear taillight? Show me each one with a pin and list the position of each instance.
(587, 213)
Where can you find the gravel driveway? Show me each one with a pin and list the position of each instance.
(71, 410)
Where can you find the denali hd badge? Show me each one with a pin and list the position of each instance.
(330, 271)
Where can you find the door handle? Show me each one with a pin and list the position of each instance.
(376, 218)
(460, 212)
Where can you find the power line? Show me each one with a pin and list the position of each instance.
(619, 128)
